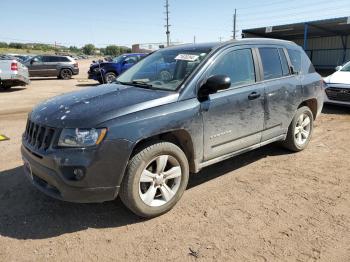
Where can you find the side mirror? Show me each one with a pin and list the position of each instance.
(293, 71)
(34, 60)
(212, 85)
(338, 68)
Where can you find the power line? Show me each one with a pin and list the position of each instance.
(287, 14)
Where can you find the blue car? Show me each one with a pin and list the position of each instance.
(107, 72)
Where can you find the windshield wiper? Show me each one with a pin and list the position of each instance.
(141, 83)
(136, 83)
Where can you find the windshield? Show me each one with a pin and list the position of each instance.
(119, 58)
(165, 69)
(346, 67)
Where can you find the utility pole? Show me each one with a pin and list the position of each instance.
(220, 39)
(234, 24)
(194, 39)
(167, 22)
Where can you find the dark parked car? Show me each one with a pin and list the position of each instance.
(107, 72)
(52, 65)
(141, 138)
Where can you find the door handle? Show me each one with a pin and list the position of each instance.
(254, 95)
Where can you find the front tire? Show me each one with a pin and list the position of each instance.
(155, 179)
(110, 77)
(300, 130)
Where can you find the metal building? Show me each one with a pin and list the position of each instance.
(327, 42)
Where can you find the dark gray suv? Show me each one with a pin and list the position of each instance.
(142, 136)
(62, 67)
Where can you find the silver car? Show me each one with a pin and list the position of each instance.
(338, 86)
(12, 73)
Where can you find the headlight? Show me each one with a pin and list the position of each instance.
(80, 137)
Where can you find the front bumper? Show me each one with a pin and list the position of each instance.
(53, 173)
(337, 94)
(95, 75)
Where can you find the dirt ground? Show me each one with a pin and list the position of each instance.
(266, 205)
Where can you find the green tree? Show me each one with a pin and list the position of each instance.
(112, 50)
(89, 49)
(16, 45)
(3, 44)
(74, 49)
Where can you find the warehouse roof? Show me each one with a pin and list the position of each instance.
(319, 28)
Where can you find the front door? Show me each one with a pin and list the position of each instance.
(233, 119)
(36, 66)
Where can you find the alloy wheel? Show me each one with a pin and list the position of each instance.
(160, 180)
(302, 129)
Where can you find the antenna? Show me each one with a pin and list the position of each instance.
(167, 22)
(234, 24)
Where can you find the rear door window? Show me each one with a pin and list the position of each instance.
(295, 58)
(238, 65)
(271, 63)
(46, 59)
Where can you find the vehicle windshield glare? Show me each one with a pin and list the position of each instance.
(346, 67)
(165, 69)
(118, 58)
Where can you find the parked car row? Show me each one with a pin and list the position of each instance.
(16, 72)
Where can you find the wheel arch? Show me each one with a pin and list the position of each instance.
(312, 104)
(179, 137)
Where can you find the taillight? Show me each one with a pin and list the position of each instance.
(75, 65)
(14, 66)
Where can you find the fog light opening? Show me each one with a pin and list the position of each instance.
(78, 173)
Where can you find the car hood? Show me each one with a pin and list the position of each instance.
(102, 64)
(93, 106)
(339, 77)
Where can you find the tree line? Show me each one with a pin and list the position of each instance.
(88, 49)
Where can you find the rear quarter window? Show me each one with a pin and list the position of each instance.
(63, 59)
(295, 58)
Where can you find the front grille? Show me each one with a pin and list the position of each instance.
(38, 136)
(338, 94)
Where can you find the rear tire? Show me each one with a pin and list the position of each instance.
(300, 130)
(65, 74)
(155, 179)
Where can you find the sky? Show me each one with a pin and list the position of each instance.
(105, 22)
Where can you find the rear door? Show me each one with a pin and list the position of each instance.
(51, 64)
(233, 119)
(282, 90)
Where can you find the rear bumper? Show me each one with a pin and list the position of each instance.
(15, 79)
(75, 71)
